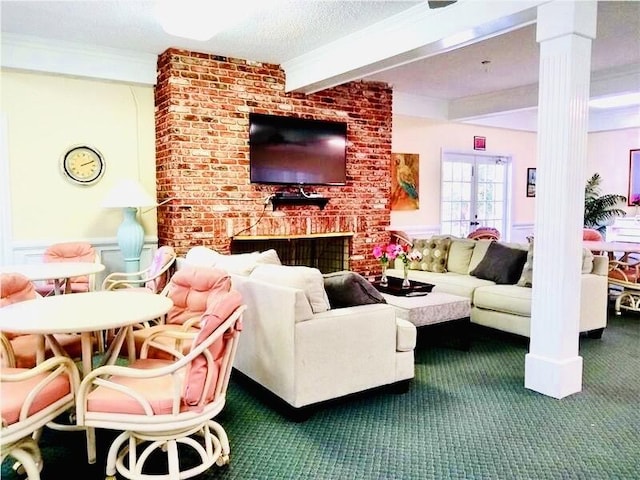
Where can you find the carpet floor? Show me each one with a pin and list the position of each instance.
(466, 415)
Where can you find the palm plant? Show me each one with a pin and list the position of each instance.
(598, 208)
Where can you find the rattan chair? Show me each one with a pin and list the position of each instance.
(15, 287)
(153, 279)
(625, 277)
(70, 252)
(485, 233)
(31, 398)
(189, 289)
(166, 406)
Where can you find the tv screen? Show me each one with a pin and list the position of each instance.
(296, 151)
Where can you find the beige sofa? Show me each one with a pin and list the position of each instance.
(296, 346)
(507, 307)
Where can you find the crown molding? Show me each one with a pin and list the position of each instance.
(29, 53)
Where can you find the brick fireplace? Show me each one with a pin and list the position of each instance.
(202, 153)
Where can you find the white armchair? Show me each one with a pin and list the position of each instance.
(305, 358)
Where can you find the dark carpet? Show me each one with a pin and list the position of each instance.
(466, 416)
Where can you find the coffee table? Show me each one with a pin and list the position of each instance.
(432, 308)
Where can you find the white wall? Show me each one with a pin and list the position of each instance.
(45, 115)
(430, 138)
(608, 154)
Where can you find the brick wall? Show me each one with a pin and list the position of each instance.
(202, 149)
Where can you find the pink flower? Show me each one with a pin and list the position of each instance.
(390, 251)
(415, 256)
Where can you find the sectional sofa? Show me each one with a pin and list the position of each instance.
(500, 291)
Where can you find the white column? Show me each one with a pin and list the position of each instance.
(565, 30)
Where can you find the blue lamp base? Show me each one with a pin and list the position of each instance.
(130, 240)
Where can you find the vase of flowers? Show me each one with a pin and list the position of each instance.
(387, 253)
(407, 258)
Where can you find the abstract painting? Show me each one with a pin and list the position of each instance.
(404, 181)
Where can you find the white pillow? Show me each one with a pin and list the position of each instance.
(240, 263)
(269, 257)
(308, 279)
(202, 256)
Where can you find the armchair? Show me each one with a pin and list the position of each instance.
(306, 354)
(163, 404)
(31, 398)
(485, 233)
(15, 287)
(189, 290)
(70, 252)
(625, 276)
(154, 278)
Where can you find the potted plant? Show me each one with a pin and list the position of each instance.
(600, 209)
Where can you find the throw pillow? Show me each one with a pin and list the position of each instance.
(435, 252)
(269, 257)
(526, 278)
(306, 279)
(348, 289)
(460, 254)
(587, 260)
(202, 256)
(502, 265)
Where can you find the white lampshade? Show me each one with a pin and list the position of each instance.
(128, 193)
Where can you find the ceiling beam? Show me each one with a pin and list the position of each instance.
(411, 35)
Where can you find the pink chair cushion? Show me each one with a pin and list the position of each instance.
(219, 308)
(189, 289)
(158, 391)
(72, 252)
(591, 234)
(25, 347)
(14, 394)
(15, 287)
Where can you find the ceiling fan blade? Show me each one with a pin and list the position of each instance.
(440, 4)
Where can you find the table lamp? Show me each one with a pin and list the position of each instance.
(129, 195)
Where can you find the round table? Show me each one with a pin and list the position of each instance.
(83, 313)
(59, 272)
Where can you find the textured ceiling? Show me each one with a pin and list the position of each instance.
(284, 30)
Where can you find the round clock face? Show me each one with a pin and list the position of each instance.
(83, 165)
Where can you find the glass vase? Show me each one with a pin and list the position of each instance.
(405, 280)
(384, 281)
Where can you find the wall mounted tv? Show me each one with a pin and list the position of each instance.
(297, 151)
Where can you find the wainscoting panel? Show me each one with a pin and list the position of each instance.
(520, 232)
(107, 249)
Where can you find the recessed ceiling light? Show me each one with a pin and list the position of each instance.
(616, 101)
(200, 19)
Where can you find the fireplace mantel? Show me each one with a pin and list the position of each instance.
(291, 237)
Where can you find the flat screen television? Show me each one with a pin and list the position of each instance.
(297, 151)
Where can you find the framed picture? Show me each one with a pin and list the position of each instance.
(531, 182)
(634, 178)
(405, 175)
(479, 143)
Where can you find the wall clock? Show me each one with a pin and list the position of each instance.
(82, 165)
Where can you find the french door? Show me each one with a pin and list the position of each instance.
(474, 193)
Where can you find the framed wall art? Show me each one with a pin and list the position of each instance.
(634, 178)
(404, 181)
(479, 143)
(531, 182)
